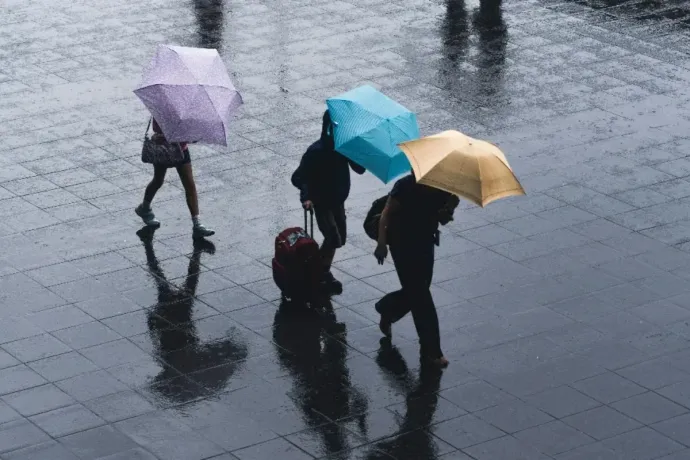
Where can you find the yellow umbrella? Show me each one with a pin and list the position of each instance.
(467, 167)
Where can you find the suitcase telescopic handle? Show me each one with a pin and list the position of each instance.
(311, 213)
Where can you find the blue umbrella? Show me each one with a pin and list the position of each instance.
(368, 128)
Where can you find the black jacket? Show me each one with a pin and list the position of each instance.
(323, 175)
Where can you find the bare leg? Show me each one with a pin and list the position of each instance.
(155, 184)
(187, 179)
(144, 209)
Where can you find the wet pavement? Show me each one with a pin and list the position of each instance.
(565, 314)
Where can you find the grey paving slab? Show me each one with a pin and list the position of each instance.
(608, 387)
(553, 438)
(506, 447)
(514, 416)
(562, 401)
(601, 422)
(649, 408)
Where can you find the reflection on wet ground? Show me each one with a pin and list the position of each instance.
(565, 314)
(173, 331)
(210, 23)
(458, 27)
(312, 347)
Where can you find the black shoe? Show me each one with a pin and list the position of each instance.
(385, 324)
(426, 359)
(332, 285)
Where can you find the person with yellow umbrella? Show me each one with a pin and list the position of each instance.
(446, 166)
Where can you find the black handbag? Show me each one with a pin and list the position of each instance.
(373, 218)
(371, 221)
(159, 152)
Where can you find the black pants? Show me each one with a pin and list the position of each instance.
(414, 262)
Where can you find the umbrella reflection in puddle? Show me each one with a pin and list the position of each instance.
(206, 367)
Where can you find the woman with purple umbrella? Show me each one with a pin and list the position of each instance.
(184, 169)
(191, 98)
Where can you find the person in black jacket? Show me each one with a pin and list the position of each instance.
(323, 178)
(409, 227)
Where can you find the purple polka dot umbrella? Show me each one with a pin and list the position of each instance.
(189, 93)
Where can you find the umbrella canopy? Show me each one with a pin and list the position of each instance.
(368, 128)
(467, 167)
(189, 93)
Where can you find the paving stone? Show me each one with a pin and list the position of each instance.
(680, 455)
(475, 396)
(62, 366)
(562, 401)
(67, 420)
(677, 392)
(114, 353)
(601, 422)
(514, 416)
(653, 374)
(97, 442)
(466, 431)
(506, 447)
(90, 385)
(277, 447)
(18, 378)
(59, 318)
(643, 443)
(553, 438)
(649, 408)
(20, 433)
(86, 335)
(37, 400)
(608, 387)
(119, 406)
(36, 347)
(50, 449)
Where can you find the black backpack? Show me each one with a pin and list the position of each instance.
(371, 222)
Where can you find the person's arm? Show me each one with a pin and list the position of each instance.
(392, 206)
(356, 167)
(300, 177)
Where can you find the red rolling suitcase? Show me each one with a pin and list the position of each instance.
(297, 267)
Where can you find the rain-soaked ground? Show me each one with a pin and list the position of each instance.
(565, 314)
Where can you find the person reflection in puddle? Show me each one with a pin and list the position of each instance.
(491, 31)
(210, 23)
(412, 441)
(174, 335)
(308, 349)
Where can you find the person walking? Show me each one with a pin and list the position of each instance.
(184, 170)
(323, 179)
(409, 227)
